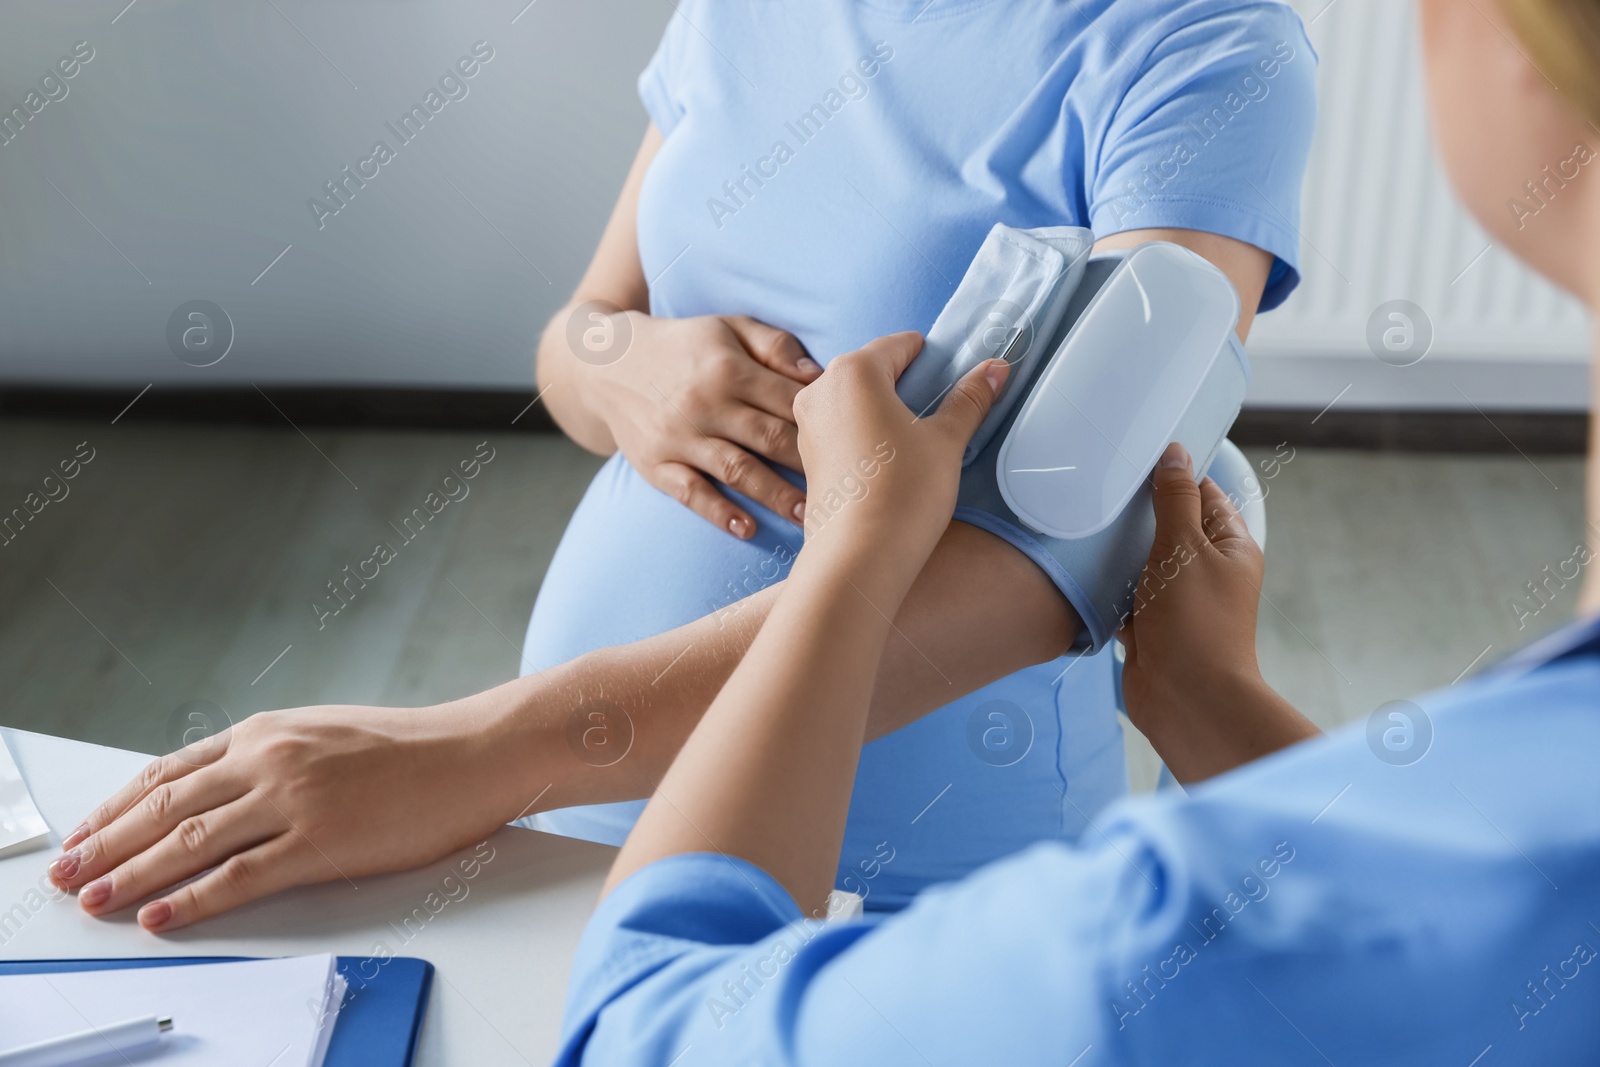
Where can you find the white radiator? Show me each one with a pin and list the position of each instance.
(1381, 224)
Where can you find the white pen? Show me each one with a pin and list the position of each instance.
(134, 1035)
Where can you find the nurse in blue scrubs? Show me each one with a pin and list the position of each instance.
(816, 175)
(1425, 892)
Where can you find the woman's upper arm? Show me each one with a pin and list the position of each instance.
(1208, 144)
(979, 610)
(1247, 266)
(614, 277)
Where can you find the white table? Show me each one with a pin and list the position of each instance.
(502, 952)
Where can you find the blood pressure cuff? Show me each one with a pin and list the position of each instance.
(1113, 356)
(1008, 306)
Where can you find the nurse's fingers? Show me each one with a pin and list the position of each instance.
(142, 825)
(965, 406)
(1225, 527)
(691, 489)
(275, 865)
(1177, 501)
(775, 349)
(1222, 520)
(196, 844)
(894, 351)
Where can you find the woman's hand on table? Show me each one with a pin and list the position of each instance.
(1191, 681)
(288, 798)
(697, 399)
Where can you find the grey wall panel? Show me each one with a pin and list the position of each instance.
(179, 163)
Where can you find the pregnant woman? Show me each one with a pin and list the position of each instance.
(813, 176)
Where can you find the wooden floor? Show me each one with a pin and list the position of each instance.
(183, 563)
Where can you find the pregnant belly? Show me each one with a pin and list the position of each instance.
(634, 563)
(1029, 757)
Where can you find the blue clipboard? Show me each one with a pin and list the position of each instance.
(378, 1024)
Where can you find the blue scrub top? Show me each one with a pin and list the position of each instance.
(830, 167)
(1367, 898)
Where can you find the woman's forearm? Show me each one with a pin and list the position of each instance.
(606, 726)
(558, 374)
(614, 282)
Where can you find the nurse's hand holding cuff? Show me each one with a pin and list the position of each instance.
(766, 775)
(1191, 682)
(871, 461)
(697, 399)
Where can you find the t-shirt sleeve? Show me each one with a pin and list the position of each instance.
(661, 82)
(1213, 134)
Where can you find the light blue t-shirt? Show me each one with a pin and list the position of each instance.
(1427, 897)
(830, 167)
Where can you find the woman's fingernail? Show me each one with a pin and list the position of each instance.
(808, 366)
(66, 866)
(799, 512)
(155, 915)
(994, 372)
(76, 836)
(1175, 456)
(95, 893)
(739, 527)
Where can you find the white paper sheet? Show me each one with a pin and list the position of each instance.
(21, 826)
(252, 1013)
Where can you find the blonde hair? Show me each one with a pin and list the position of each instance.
(1564, 39)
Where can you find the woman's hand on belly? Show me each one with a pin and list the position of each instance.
(684, 400)
(692, 400)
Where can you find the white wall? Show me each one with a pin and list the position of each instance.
(180, 163)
